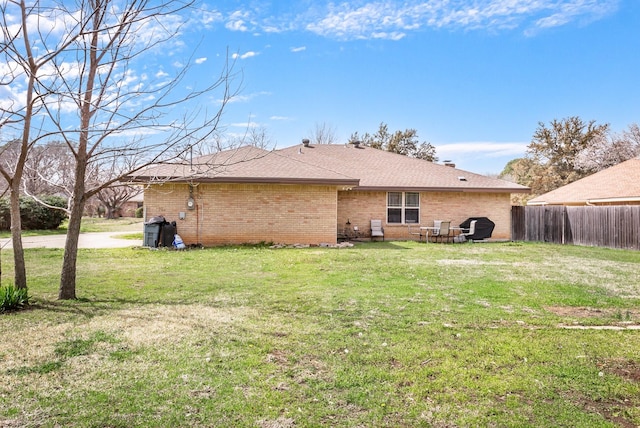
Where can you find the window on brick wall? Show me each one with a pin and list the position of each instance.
(403, 207)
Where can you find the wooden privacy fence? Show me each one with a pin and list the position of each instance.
(613, 226)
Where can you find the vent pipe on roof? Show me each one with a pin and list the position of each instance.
(305, 142)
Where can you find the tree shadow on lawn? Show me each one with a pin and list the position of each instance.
(91, 308)
(380, 245)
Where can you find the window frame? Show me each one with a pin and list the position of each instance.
(403, 207)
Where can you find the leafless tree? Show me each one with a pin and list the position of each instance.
(323, 133)
(22, 72)
(113, 197)
(116, 116)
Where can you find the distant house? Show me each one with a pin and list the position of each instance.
(316, 194)
(617, 185)
(129, 208)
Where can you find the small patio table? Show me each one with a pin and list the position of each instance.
(428, 229)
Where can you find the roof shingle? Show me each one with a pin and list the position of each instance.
(618, 183)
(363, 168)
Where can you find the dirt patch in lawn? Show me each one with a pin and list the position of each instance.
(585, 312)
(609, 317)
(623, 412)
(140, 326)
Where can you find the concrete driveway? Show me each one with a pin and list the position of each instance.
(87, 240)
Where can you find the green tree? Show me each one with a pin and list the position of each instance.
(404, 143)
(552, 156)
(557, 147)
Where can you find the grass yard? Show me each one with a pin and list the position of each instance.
(395, 334)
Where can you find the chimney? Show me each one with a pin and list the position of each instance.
(449, 163)
(305, 142)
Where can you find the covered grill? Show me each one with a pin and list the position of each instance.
(483, 230)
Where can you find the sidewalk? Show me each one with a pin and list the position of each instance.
(87, 240)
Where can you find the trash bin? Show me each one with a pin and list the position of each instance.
(151, 235)
(167, 234)
(152, 230)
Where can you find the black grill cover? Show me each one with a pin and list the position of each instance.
(484, 227)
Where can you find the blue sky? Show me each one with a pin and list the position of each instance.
(473, 77)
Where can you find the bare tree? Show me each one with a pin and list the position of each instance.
(112, 130)
(22, 72)
(323, 133)
(113, 197)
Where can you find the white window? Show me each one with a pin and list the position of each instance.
(403, 207)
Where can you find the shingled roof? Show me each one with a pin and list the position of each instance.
(617, 184)
(243, 165)
(381, 170)
(360, 168)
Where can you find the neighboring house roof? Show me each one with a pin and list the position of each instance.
(617, 184)
(363, 168)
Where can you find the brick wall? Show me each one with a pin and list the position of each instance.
(360, 207)
(247, 213)
(253, 213)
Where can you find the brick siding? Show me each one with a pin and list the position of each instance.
(247, 213)
(360, 207)
(305, 214)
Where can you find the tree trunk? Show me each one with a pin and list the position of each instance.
(20, 271)
(68, 275)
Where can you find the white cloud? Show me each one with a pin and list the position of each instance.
(484, 148)
(246, 98)
(208, 17)
(390, 20)
(299, 49)
(245, 125)
(244, 55)
(238, 21)
(280, 118)
(200, 60)
(482, 157)
(161, 73)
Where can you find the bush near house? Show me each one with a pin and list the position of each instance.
(34, 215)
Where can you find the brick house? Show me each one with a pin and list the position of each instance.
(317, 194)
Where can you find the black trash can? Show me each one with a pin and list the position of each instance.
(152, 230)
(167, 234)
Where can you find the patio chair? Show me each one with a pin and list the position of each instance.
(417, 231)
(441, 233)
(376, 229)
(464, 232)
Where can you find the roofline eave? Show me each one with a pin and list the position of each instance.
(442, 189)
(244, 180)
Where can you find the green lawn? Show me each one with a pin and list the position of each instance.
(395, 334)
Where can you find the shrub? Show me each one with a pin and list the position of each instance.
(12, 298)
(139, 212)
(34, 215)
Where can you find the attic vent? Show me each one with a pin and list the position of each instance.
(462, 178)
(449, 163)
(305, 142)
